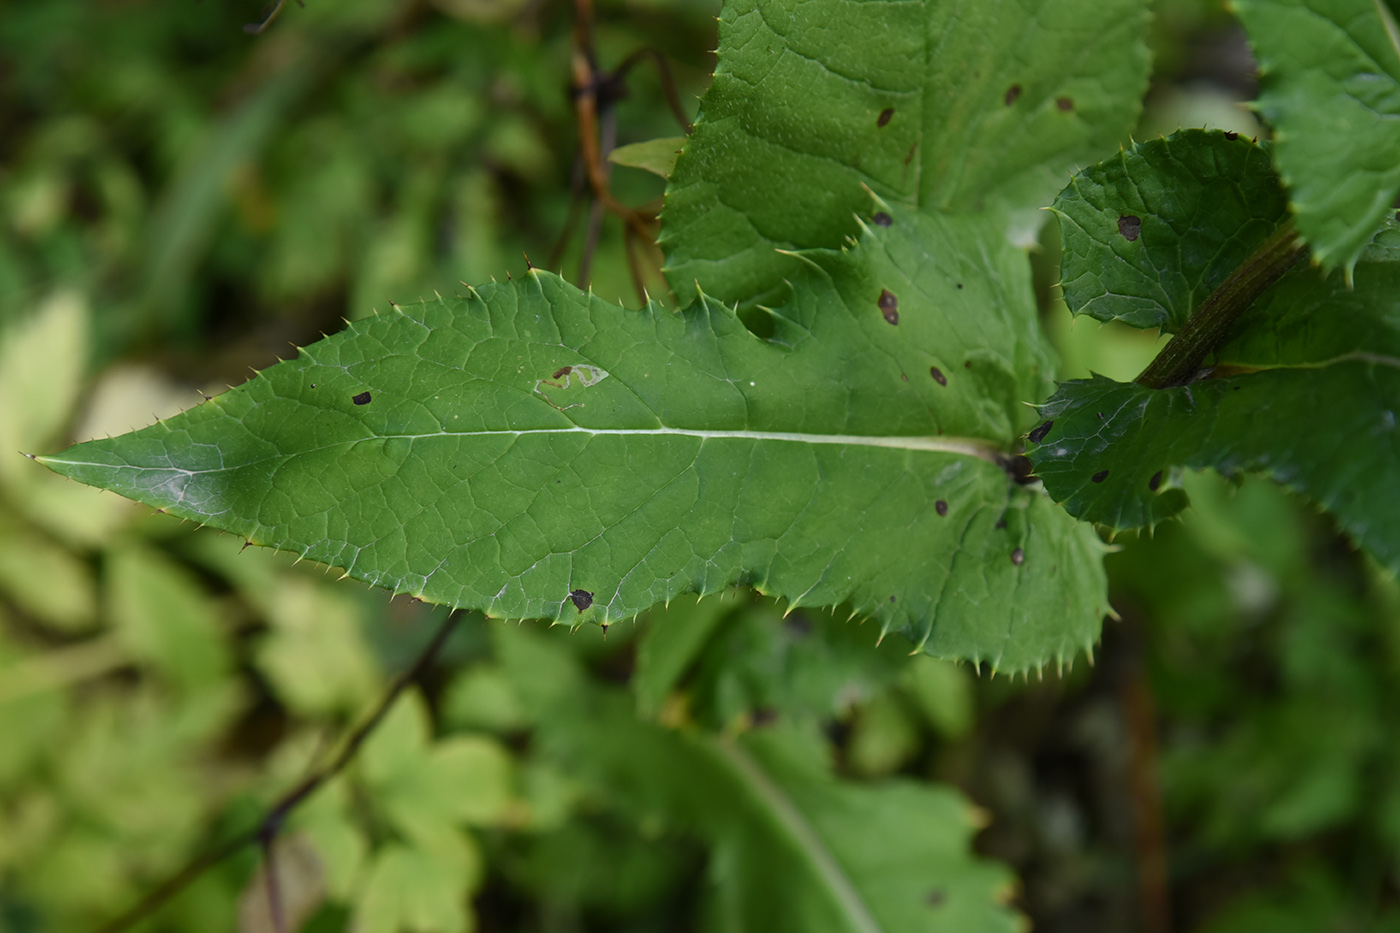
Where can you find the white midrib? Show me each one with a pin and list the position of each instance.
(953, 445)
(833, 876)
(970, 447)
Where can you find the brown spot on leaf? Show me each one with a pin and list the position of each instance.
(1155, 481)
(967, 364)
(764, 716)
(941, 508)
(1018, 556)
(1066, 104)
(937, 375)
(1130, 226)
(889, 306)
(1038, 435)
(885, 116)
(562, 371)
(891, 599)
(1100, 476)
(1013, 92)
(935, 898)
(882, 219)
(582, 599)
(361, 399)
(1001, 523)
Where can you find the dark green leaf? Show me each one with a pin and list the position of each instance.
(1149, 235)
(1330, 88)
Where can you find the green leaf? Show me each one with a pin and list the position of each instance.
(1149, 235)
(417, 889)
(426, 788)
(670, 643)
(795, 849)
(534, 452)
(164, 617)
(657, 156)
(945, 105)
(1312, 407)
(1330, 88)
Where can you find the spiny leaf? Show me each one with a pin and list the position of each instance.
(1306, 393)
(1330, 88)
(952, 106)
(1149, 235)
(533, 452)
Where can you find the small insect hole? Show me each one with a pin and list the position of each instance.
(882, 219)
(1066, 104)
(1100, 476)
(361, 399)
(937, 375)
(1155, 482)
(941, 508)
(1013, 92)
(885, 117)
(582, 599)
(1038, 435)
(1130, 226)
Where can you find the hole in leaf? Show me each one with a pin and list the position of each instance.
(937, 375)
(882, 219)
(361, 399)
(1130, 226)
(941, 508)
(1100, 476)
(582, 599)
(1038, 435)
(1155, 481)
(1013, 92)
(885, 116)
(1066, 104)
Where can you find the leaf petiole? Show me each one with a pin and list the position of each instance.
(1181, 358)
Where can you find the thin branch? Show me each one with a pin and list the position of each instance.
(256, 29)
(267, 829)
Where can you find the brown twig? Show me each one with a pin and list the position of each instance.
(256, 29)
(268, 828)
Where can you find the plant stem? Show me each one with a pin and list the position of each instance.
(1181, 358)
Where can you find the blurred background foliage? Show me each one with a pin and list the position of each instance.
(180, 200)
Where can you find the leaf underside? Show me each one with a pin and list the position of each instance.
(526, 442)
(1306, 391)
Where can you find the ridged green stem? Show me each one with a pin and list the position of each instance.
(1182, 357)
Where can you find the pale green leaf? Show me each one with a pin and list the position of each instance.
(657, 156)
(423, 788)
(1330, 88)
(165, 617)
(950, 105)
(418, 890)
(313, 653)
(533, 452)
(45, 580)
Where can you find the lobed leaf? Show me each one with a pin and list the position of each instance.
(537, 453)
(944, 104)
(1149, 235)
(1306, 393)
(1330, 88)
